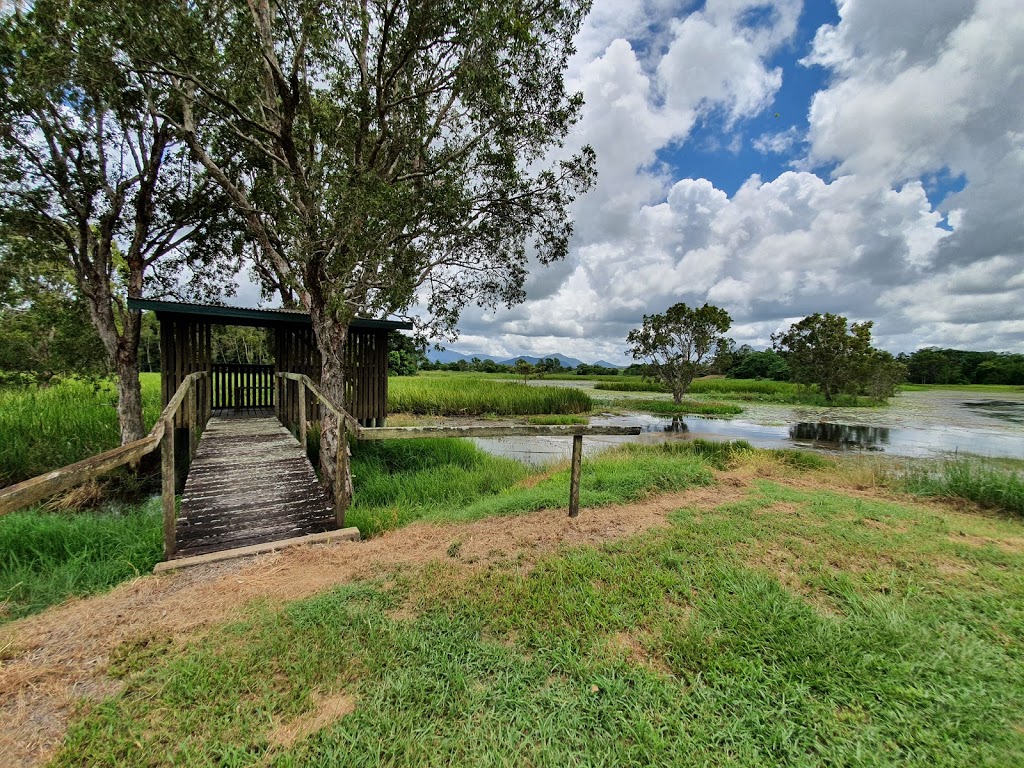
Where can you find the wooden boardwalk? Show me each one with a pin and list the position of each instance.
(250, 483)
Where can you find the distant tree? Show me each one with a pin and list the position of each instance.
(830, 352)
(884, 374)
(595, 370)
(676, 344)
(638, 369)
(761, 365)
(405, 355)
(1003, 369)
(524, 369)
(45, 325)
(241, 345)
(931, 365)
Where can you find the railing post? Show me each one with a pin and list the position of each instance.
(167, 495)
(302, 415)
(339, 480)
(574, 480)
(193, 420)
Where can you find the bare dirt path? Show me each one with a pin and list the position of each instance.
(51, 661)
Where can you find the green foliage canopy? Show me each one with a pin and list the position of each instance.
(677, 343)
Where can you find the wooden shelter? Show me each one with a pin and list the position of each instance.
(185, 347)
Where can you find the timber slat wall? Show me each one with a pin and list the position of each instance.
(366, 374)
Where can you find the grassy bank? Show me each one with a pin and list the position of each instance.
(450, 480)
(987, 483)
(790, 626)
(450, 396)
(45, 558)
(668, 408)
(748, 390)
(42, 429)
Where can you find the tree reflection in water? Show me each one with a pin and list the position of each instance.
(676, 425)
(840, 434)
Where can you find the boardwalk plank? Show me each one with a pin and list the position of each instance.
(250, 483)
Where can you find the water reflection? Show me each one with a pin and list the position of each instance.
(841, 435)
(676, 425)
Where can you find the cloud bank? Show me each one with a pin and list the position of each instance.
(902, 204)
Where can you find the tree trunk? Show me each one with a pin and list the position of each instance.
(129, 398)
(123, 356)
(677, 395)
(334, 458)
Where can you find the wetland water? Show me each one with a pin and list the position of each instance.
(915, 424)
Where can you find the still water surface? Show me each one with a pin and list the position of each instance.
(986, 427)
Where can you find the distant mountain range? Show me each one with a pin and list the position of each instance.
(451, 356)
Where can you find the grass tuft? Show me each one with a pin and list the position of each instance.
(45, 558)
(972, 479)
(476, 397)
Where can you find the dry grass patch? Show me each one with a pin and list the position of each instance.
(327, 710)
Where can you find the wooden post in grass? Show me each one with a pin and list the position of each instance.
(302, 415)
(167, 472)
(574, 481)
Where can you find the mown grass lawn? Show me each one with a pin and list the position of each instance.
(795, 626)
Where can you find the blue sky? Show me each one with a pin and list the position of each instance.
(778, 158)
(710, 152)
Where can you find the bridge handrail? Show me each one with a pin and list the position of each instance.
(37, 488)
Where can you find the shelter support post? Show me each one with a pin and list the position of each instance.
(302, 416)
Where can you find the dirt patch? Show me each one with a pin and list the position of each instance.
(52, 660)
(635, 647)
(326, 710)
(1013, 545)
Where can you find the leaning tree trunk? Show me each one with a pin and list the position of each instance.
(334, 456)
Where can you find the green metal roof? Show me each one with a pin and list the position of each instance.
(222, 315)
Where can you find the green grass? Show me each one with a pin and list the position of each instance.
(43, 429)
(556, 419)
(448, 396)
(789, 628)
(995, 388)
(45, 558)
(397, 482)
(987, 483)
(667, 407)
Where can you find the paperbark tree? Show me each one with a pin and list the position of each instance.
(92, 172)
(385, 154)
(676, 344)
(829, 351)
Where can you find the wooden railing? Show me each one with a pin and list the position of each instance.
(294, 409)
(187, 409)
(242, 386)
